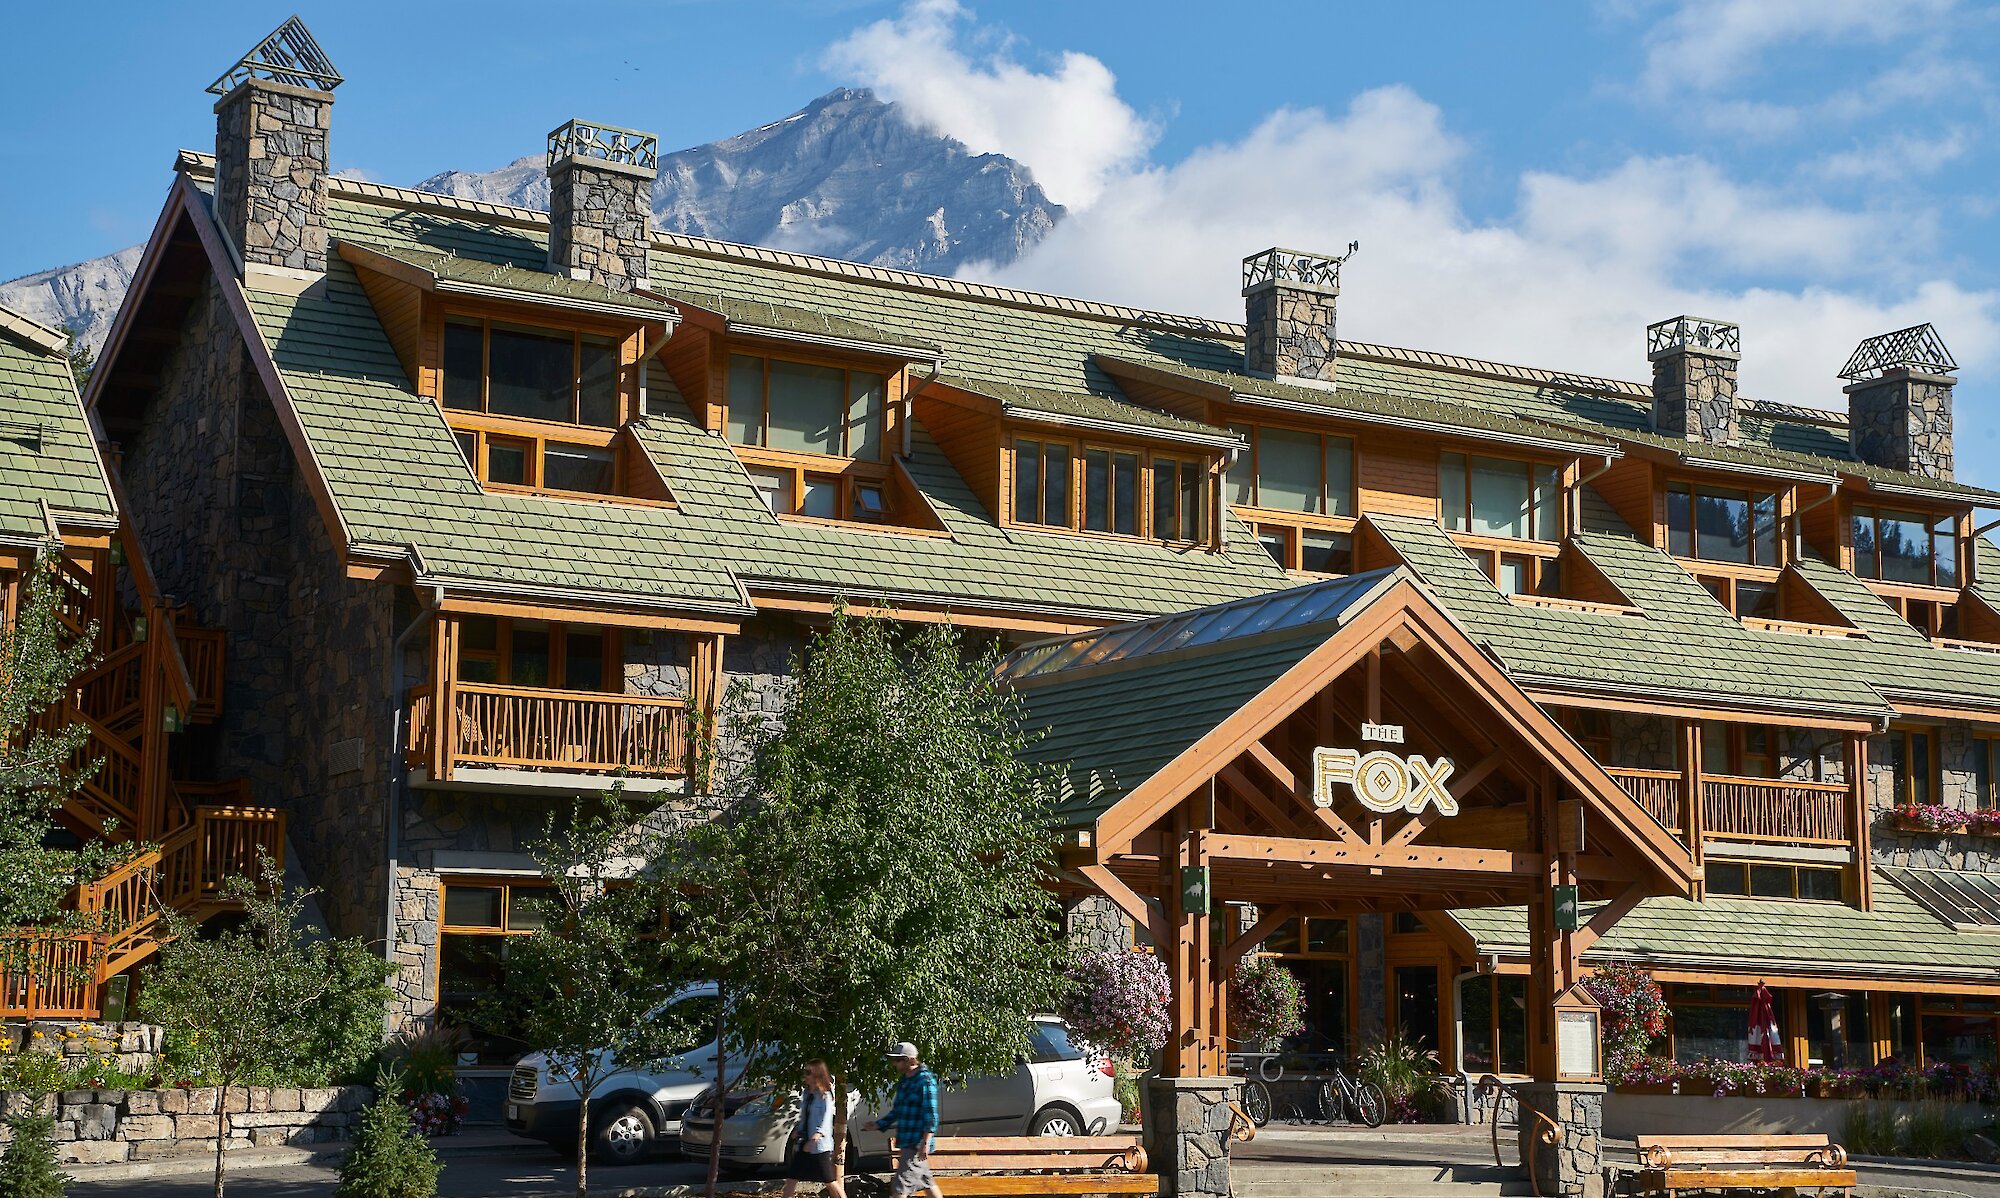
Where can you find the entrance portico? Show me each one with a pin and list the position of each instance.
(1336, 749)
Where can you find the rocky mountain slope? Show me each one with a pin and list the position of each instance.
(844, 176)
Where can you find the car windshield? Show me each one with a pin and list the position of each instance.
(1051, 1042)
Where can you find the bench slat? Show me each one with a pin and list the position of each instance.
(946, 1144)
(1067, 1161)
(1735, 1141)
(1698, 1179)
(1078, 1183)
(1689, 1157)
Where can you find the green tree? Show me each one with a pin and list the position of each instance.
(251, 999)
(588, 986)
(882, 863)
(28, 1168)
(388, 1159)
(82, 358)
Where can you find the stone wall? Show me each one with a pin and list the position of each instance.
(270, 172)
(1694, 396)
(1574, 1165)
(1290, 332)
(1903, 422)
(1095, 923)
(658, 665)
(103, 1127)
(1954, 745)
(598, 222)
(1186, 1133)
(413, 995)
(1640, 742)
(133, 1047)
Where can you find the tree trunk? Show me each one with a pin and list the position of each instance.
(583, 1143)
(221, 1130)
(839, 1128)
(721, 1105)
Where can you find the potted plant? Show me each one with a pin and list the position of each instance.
(1932, 818)
(1266, 1003)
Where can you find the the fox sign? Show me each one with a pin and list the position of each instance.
(1384, 782)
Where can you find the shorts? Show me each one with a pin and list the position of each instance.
(812, 1166)
(912, 1176)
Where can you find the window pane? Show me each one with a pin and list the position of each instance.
(1513, 1004)
(1982, 774)
(745, 399)
(1097, 490)
(1920, 767)
(808, 405)
(1327, 552)
(468, 444)
(864, 416)
(1765, 534)
(597, 383)
(1864, 543)
(1722, 526)
(528, 663)
(1125, 494)
(1725, 877)
(1499, 498)
(1944, 546)
(472, 906)
(507, 462)
(1475, 1009)
(1820, 885)
(869, 502)
(1548, 500)
(478, 669)
(1905, 548)
(1288, 466)
(1277, 544)
(578, 468)
(1165, 487)
(1514, 575)
(1771, 881)
(1240, 473)
(1028, 482)
(1680, 522)
(1759, 599)
(583, 659)
(530, 373)
(1055, 485)
(774, 487)
(1451, 491)
(479, 633)
(1194, 503)
(1339, 476)
(822, 497)
(463, 352)
(524, 907)
(1721, 1033)
(1326, 935)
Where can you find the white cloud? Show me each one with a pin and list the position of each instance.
(1066, 123)
(1899, 155)
(1568, 279)
(1713, 45)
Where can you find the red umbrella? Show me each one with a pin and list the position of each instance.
(1765, 1047)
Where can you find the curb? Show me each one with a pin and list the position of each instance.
(1970, 1170)
(282, 1158)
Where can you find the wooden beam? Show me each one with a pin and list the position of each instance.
(1241, 786)
(1460, 787)
(1269, 920)
(1607, 917)
(1286, 851)
(1145, 912)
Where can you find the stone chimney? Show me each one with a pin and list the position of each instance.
(1694, 378)
(1288, 311)
(1899, 401)
(270, 150)
(601, 203)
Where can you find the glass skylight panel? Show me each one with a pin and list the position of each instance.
(1964, 900)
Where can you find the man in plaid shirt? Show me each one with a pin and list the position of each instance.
(913, 1121)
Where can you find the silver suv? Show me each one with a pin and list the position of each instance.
(1057, 1090)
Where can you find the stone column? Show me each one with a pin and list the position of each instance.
(1573, 1166)
(1902, 421)
(270, 173)
(1187, 1133)
(601, 203)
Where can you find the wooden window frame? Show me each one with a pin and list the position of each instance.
(1263, 515)
(1905, 786)
(1781, 504)
(1986, 795)
(1845, 874)
(502, 654)
(848, 475)
(1871, 571)
(1487, 552)
(1149, 459)
(537, 440)
(848, 370)
(1528, 464)
(618, 338)
(505, 885)
(1295, 549)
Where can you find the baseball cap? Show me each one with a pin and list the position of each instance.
(903, 1049)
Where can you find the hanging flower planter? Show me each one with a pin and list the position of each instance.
(1936, 819)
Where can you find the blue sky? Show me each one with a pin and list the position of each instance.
(1528, 182)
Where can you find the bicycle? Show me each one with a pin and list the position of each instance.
(1362, 1101)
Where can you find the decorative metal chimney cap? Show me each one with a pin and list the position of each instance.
(604, 145)
(1298, 268)
(1703, 334)
(1917, 348)
(287, 55)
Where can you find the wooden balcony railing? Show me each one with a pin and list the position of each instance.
(1659, 792)
(1768, 809)
(202, 648)
(539, 728)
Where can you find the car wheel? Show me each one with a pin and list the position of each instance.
(1056, 1121)
(623, 1137)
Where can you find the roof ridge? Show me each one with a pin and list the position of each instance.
(50, 340)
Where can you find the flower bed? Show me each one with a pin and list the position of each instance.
(1937, 819)
(1891, 1079)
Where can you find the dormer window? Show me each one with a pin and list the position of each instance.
(804, 407)
(1498, 497)
(1717, 524)
(1906, 547)
(554, 375)
(1118, 491)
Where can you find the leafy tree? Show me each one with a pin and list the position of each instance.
(586, 987)
(388, 1159)
(28, 1168)
(252, 998)
(82, 358)
(880, 869)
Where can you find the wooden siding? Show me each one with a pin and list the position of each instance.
(971, 440)
(1397, 475)
(1628, 488)
(686, 359)
(400, 308)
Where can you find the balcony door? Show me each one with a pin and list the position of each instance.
(537, 653)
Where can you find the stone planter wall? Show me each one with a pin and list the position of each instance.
(134, 1047)
(1626, 1115)
(100, 1127)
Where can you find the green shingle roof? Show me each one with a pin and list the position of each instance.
(529, 282)
(1081, 405)
(47, 454)
(1896, 935)
(784, 318)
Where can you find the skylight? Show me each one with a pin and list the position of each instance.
(1964, 900)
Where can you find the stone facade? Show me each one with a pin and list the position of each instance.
(104, 1127)
(1186, 1129)
(1574, 1165)
(599, 213)
(270, 172)
(1290, 332)
(413, 996)
(1095, 924)
(1954, 745)
(1694, 395)
(1635, 741)
(1902, 421)
(133, 1047)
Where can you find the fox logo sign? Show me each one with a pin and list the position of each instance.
(1383, 781)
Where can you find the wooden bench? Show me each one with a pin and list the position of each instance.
(1789, 1164)
(977, 1165)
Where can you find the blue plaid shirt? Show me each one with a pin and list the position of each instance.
(913, 1117)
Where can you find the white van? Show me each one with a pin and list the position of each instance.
(631, 1109)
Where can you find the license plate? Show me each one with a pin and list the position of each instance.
(513, 1110)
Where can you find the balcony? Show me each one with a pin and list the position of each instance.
(1746, 809)
(529, 736)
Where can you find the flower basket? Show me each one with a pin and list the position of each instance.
(1930, 818)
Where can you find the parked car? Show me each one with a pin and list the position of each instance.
(1057, 1090)
(631, 1109)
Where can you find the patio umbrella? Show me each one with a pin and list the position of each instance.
(1765, 1047)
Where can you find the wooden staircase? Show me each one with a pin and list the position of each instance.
(140, 690)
